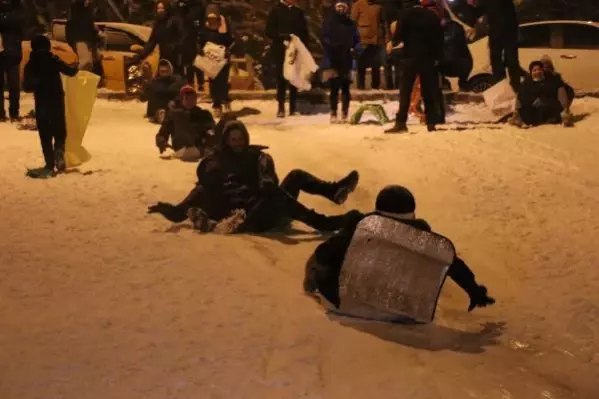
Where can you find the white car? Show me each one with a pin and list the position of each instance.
(572, 45)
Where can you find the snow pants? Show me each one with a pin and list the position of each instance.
(51, 124)
(10, 69)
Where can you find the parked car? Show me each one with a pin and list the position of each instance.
(121, 42)
(572, 45)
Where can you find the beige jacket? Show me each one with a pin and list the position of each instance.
(370, 22)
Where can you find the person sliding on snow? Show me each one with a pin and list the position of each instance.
(339, 39)
(239, 180)
(163, 89)
(398, 203)
(217, 32)
(285, 19)
(538, 99)
(190, 128)
(42, 78)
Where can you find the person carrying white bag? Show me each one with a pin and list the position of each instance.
(299, 64)
(213, 58)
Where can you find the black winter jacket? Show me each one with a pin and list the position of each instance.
(455, 46)
(12, 22)
(169, 35)
(501, 17)
(210, 35)
(282, 21)
(80, 27)
(185, 128)
(421, 33)
(42, 78)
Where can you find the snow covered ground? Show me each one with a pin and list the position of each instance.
(100, 300)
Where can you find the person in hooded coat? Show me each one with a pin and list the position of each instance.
(83, 37)
(216, 31)
(395, 202)
(42, 78)
(168, 33)
(285, 19)
(538, 101)
(12, 22)
(339, 39)
(189, 128)
(240, 176)
(163, 89)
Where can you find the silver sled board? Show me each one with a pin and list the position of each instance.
(393, 271)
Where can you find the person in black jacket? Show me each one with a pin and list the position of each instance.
(194, 16)
(503, 38)
(12, 22)
(216, 31)
(285, 19)
(168, 33)
(239, 179)
(396, 202)
(565, 92)
(420, 31)
(42, 78)
(457, 59)
(83, 37)
(160, 91)
(189, 128)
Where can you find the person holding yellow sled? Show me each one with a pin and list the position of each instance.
(42, 78)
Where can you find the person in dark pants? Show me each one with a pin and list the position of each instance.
(239, 179)
(83, 37)
(42, 78)
(503, 38)
(422, 35)
(195, 20)
(216, 31)
(285, 19)
(395, 202)
(12, 21)
(339, 39)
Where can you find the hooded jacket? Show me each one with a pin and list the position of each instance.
(166, 87)
(282, 21)
(339, 36)
(368, 16)
(12, 21)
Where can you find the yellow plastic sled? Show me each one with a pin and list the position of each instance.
(80, 96)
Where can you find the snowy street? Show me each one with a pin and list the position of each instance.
(101, 300)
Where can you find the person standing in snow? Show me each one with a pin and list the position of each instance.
(160, 91)
(503, 38)
(42, 78)
(395, 202)
(168, 33)
(216, 31)
(285, 19)
(12, 22)
(368, 16)
(83, 37)
(195, 19)
(420, 31)
(339, 39)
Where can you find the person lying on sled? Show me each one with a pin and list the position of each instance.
(396, 202)
(240, 180)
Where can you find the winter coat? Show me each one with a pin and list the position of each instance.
(165, 88)
(501, 17)
(339, 37)
(80, 27)
(194, 18)
(370, 21)
(12, 22)
(421, 33)
(42, 78)
(557, 80)
(222, 37)
(282, 21)
(455, 46)
(538, 101)
(185, 128)
(168, 34)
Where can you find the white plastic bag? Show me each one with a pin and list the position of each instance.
(213, 60)
(500, 98)
(299, 64)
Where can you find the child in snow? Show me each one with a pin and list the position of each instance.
(42, 78)
(217, 31)
(340, 37)
(160, 91)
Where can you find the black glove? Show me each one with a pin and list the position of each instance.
(161, 143)
(480, 299)
(171, 212)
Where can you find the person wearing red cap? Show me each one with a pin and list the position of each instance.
(189, 128)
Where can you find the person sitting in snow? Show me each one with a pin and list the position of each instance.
(565, 92)
(339, 39)
(190, 128)
(42, 78)
(238, 188)
(163, 89)
(396, 202)
(537, 101)
(217, 32)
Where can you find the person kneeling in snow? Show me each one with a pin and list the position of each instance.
(396, 202)
(42, 78)
(190, 128)
(238, 188)
(163, 89)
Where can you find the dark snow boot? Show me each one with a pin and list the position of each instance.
(61, 164)
(398, 127)
(431, 127)
(479, 298)
(345, 187)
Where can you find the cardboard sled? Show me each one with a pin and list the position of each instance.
(393, 271)
(500, 98)
(80, 96)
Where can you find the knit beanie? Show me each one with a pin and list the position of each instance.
(40, 43)
(395, 199)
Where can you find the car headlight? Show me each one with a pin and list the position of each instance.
(136, 76)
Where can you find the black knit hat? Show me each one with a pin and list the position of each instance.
(395, 199)
(40, 43)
